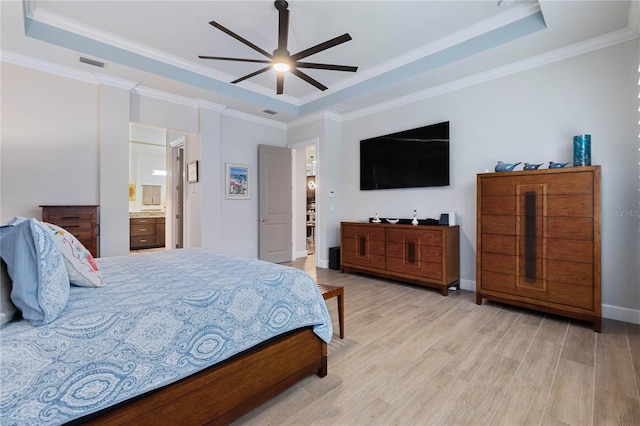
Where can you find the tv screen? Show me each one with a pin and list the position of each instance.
(408, 159)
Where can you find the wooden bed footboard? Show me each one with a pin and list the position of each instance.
(226, 391)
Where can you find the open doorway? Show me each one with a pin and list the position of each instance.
(305, 182)
(156, 188)
(310, 205)
(147, 187)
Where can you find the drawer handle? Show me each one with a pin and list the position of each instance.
(143, 241)
(72, 226)
(143, 229)
(70, 217)
(411, 252)
(530, 236)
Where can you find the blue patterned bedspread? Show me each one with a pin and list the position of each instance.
(160, 317)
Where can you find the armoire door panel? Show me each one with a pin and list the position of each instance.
(499, 244)
(571, 183)
(499, 204)
(570, 205)
(570, 272)
(502, 186)
(502, 263)
(496, 281)
(570, 294)
(498, 224)
(570, 250)
(571, 228)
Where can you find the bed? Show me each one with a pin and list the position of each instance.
(189, 336)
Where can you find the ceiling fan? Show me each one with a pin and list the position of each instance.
(281, 60)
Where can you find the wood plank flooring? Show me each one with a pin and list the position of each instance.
(413, 357)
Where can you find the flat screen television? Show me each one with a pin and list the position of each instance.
(408, 159)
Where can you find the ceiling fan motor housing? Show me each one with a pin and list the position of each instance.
(281, 4)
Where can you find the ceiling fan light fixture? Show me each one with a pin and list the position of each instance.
(281, 66)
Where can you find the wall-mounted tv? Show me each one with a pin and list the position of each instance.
(408, 159)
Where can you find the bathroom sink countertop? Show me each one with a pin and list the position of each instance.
(146, 214)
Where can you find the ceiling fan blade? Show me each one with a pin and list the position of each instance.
(308, 79)
(326, 66)
(280, 83)
(260, 61)
(253, 74)
(283, 29)
(322, 46)
(240, 39)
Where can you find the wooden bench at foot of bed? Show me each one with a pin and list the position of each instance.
(226, 391)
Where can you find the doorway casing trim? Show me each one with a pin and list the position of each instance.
(295, 186)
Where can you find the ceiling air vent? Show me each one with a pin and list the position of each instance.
(269, 111)
(93, 62)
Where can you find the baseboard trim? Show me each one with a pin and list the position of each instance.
(621, 314)
(467, 285)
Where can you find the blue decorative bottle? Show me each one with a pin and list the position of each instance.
(581, 150)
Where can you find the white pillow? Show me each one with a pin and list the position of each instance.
(80, 264)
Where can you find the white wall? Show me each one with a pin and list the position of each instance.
(113, 131)
(66, 141)
(239, 218)
(530, 117)
(49, 142)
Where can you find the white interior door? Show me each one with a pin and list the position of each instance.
(274, 200)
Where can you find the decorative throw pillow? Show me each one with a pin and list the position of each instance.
(40, 281)
(81, 266)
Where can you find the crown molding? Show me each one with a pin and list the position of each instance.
(121, 83)
(254, 118)
(47, 67)
(560, 54)
(166, 96)
(132, 86)
(49, 18)
(211, 106)
(509, 16)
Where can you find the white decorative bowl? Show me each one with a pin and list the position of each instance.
(394, 221)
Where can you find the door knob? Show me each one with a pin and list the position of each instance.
(262, 219)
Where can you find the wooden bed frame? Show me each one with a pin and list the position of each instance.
(224, 392)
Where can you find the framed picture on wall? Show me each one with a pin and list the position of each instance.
(237, 182)
(192, 172)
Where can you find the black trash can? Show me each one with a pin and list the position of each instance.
(334, 258)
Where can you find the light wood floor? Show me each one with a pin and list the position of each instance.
(413, 357)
